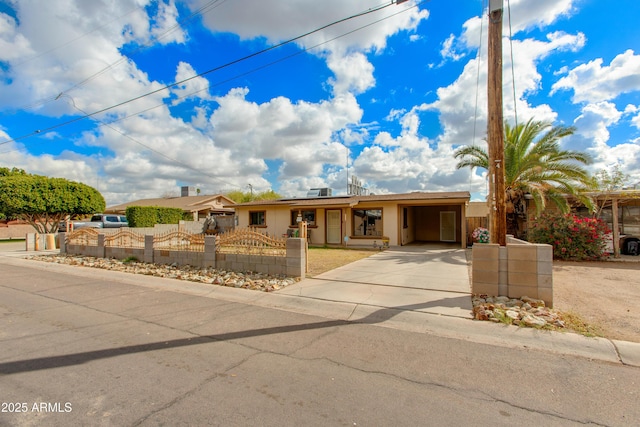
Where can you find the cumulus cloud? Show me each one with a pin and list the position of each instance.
(342, 44)
(593, 82)
(61, 58)
(194, 87)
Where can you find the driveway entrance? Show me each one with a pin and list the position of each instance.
(429, 278)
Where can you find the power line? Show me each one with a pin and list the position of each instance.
(209, 86)
(202, 10)
(218, 68)
(207, 8)
(159, 153)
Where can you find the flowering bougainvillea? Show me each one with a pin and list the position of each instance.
(481, 235)
(571, 236)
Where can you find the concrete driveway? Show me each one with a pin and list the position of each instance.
(428, 278)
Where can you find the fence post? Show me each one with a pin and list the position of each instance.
(30, 242)
(210, 251)
(148, 248)
(62, 242)
(296, 261)
(101, 246)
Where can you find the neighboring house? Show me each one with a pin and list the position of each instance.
(619, 209)
(198, 206)
(363, 220)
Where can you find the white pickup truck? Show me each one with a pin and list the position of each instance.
(97, 221)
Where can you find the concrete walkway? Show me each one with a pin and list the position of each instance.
(430, 279)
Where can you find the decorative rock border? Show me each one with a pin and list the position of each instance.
(522, 311)
(247, 280)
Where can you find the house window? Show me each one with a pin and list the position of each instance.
(257, 218)
(308, 216)
(367, 222)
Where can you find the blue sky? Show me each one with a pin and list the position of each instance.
(387, 96)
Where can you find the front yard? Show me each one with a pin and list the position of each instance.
(325, 259)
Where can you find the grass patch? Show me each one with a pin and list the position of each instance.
(575, 323)
(322, 259)
(3, 241)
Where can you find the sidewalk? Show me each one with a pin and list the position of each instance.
(446, 317)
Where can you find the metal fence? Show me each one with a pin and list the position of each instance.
(250, 241)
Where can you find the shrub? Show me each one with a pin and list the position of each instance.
(148, 216)
(481, 235)
(572, 237)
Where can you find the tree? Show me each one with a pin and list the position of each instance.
(535, 165)
(43, 202)
(606, 183)
(12, 171)
(241, 197)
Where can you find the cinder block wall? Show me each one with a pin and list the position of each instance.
(123, 253)
(294, 264)
(519, 269)
(266, 264)
(94, 251)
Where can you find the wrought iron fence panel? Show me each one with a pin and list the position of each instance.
(83, 237)
(124, 239)
(250, 241)
(179, 241)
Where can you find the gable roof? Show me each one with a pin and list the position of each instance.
(410, 198)
(214, 203)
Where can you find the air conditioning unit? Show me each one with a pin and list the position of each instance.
(319, 192)
(187, 191)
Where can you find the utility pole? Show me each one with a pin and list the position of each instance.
(495, 127)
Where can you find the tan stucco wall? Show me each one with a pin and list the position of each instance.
(423, 221)
(477, 209)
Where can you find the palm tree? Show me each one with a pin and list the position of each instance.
(535, 165)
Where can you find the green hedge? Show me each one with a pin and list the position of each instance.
(148, 216)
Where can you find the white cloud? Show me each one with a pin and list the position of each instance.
(636, 121)
(240, 137)
(166, 28)
(340, 44)
(301, 134)
(593, 136)
(593, 82)
(354, 73)
(449, 50)
(463, 104)
(410, 161)
(524, 14)
(197, 87)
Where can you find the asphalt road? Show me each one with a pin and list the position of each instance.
(77, 350)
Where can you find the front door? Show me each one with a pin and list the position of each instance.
(334, 227)
(447, 226)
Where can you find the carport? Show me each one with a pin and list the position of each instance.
(432, 223)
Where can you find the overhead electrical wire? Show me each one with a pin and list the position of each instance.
(479, 61)
(513, 73)
(159, 153)
(202, 10)
(246, 73)
(102, 123)
(207, 8)
(218, 68)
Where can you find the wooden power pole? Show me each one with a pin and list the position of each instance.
(495, 127)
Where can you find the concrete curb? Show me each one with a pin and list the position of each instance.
(612, 351)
